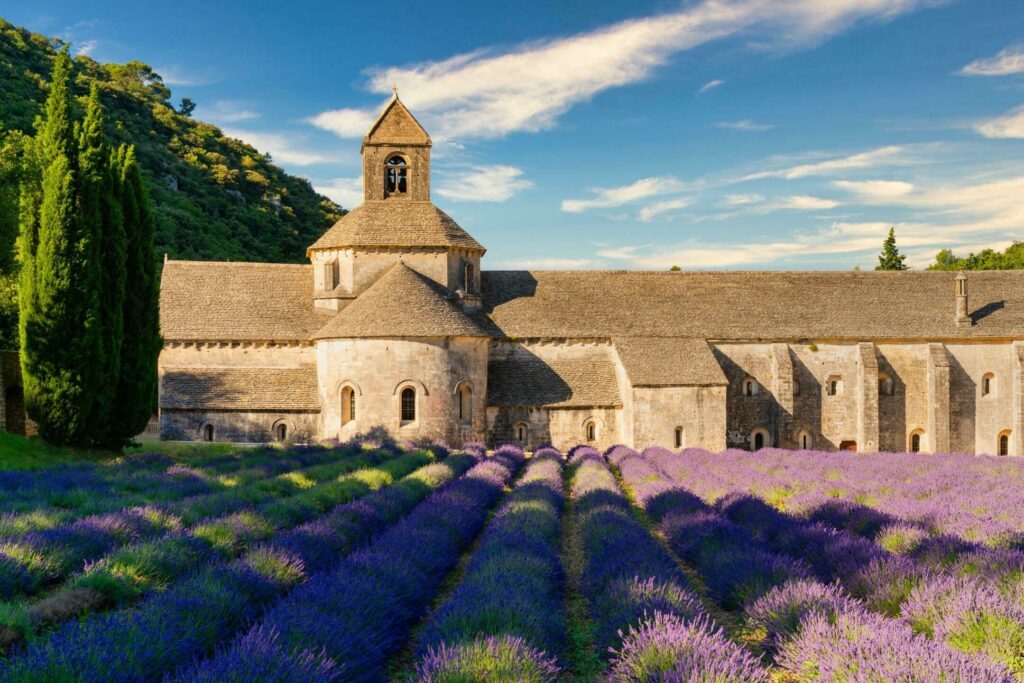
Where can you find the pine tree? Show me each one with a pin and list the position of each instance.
(137, 386)
(59, 322)
(891, 258)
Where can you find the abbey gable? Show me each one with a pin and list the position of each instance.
(393, 330)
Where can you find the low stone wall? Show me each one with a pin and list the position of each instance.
(237, 426)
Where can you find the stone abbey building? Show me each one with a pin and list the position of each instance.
(394, 329)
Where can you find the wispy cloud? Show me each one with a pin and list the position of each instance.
(550, 264)
(280, 147)
(1004, 63)
(711, 85)
(86, 47)
(1009, 125)
(741, 199)
(891, 154)
(608, 197)
(483, 184)
(875, 190)
(227, 111)
(174, 74)
(651, 212)
(745, 125)
(490, 93)
(346, 192)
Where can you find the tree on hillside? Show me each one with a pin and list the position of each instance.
(137, 383)
(59, 323)
(187, 106)
(986, 259)
(891, 258)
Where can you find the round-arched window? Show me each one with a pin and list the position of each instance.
(348, 405)
(207, 432)
(521, 433)
(679, 437)
(759, 439)
(590, 430)
(281, 432)
(1003, 443)
(916, 441)
(465, 399)
(408, 407)
(396, 175)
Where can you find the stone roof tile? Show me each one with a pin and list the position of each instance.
(396, 222)
(402, 303)
(524, 379)
(227, 301)
(668, 361)
(753, 305)
(276, 389)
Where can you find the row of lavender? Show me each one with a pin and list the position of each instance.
(208, 585)
(978, 498)
(822, 602)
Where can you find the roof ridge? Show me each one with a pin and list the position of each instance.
(261, 264)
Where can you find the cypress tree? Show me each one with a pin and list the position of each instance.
(59, 314)
(136, 393)
(891, 258)
(100, 217)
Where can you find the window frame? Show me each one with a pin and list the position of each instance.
(348, 405)
(407, 407)
(402, 176)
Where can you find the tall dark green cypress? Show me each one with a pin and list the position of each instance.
(59, 321)
(137, 388)
(100, 216)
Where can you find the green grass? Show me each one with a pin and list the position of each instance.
(30, 453)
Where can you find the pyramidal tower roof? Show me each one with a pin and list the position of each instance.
(402, 303)
(396, 126)
(396, 219)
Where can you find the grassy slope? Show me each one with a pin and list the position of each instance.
(25, 453)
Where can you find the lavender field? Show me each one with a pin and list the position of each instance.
(363, 562)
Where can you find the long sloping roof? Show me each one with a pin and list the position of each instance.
(750, 305)
(225, 301)
(527, 380)
(668, 361)
(240, 389)
(396, 222)
(402, 303)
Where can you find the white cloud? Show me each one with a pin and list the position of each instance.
(346, 192)
(741, 199)
(876, 190)
(1004, 63)
(491, 93)
(86, 47)
(1009, 125)
(891, 154)
(550, 264)
(483, 184)
(711, 85)
(745, 125)
(227, 111)
(657, 209)
(175, 74)
(280, 147)
(802, 202)
(617, 196)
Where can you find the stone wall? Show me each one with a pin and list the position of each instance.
(699, 411)
(237, 426)
(378, 369)
(976, 420)
(561, 427)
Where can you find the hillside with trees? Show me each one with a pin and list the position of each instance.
(213, 197)
(986, 259)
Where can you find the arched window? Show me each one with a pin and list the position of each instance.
(465, 396)
(348, 405)
(750, 387)
(834, 386)
(988, 384)
(805, 440)
(1003, 443)
(521, 433)
(590, 430)
(207, 432)
(281, 432)
(396, 175)
(916, 441)
(467, 278)
(759, 439)
(679, 437)
(408, 411)
(796, 387)
(885, 385)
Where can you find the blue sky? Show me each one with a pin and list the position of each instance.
(622, 134)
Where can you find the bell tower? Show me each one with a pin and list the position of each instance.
(396, 157)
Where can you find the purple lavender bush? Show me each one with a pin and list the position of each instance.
(484, 659)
